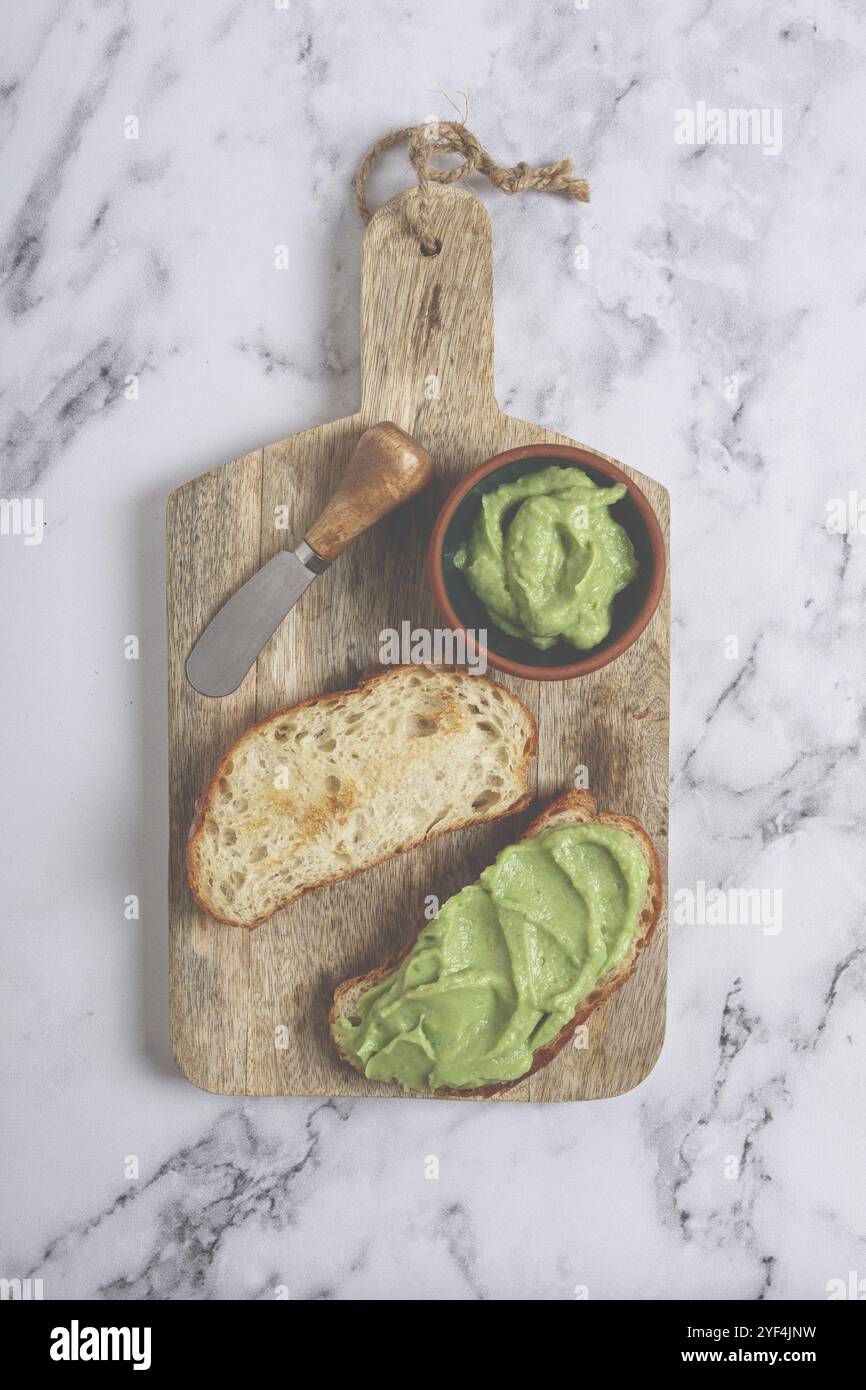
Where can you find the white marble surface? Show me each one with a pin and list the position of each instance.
(155, 257)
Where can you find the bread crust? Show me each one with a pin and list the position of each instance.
(373, 676)
(570, 807)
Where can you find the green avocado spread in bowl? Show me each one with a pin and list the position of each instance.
(505, 964)
(547, 559)
(551, 557)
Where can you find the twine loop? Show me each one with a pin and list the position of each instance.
(452, 137)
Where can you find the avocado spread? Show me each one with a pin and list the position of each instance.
(546, 558)
(505, 963)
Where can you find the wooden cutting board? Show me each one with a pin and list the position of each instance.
(249, 1009)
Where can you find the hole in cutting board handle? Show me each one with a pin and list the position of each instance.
(434, 249)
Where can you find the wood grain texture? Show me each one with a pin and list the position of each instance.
(249, 1009)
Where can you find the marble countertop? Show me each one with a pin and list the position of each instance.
(715, 339)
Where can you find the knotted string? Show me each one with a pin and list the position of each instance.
(452, 137)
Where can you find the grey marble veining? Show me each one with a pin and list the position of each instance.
(710, 332)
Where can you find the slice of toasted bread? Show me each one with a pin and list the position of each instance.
(569, 808)
(334, 785)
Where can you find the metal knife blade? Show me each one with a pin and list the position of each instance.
(232, 640)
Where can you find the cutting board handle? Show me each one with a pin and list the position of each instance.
(439, 309)
(386, 470)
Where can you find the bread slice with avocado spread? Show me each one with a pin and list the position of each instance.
(491, 990)
(334, 785)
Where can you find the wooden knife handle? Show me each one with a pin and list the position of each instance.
(387, 468)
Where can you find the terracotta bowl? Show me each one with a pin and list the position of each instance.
(632, 609)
